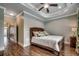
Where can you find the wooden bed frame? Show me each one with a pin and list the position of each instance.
(41, 46)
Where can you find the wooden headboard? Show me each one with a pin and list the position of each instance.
(34, 29)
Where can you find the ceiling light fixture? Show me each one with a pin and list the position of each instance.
(11, 14)
(46, 6)
(59, 7)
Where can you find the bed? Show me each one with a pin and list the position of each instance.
(53, 43)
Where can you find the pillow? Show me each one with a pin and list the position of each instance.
(35, 33)
(46, 33)
(41, 34)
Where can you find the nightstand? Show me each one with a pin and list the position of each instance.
(77, 47)
(1, 53)
(73, 41)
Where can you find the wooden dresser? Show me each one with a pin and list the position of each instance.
(1, 53)
(73, 42)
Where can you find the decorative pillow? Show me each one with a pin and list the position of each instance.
(36, 33)
(41, 34)
(46, 33)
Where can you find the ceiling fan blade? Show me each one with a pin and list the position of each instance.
(41, 3)
(41, 8)
(47, 10)
(53, 4)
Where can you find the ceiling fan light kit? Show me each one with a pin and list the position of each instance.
(46, 6)
(59, 7)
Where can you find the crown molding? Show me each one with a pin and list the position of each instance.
(2, 7)
(30, 6)
(19, 13)
(33, 8)
(39, 18)
(53, 19)
(33, 16)
(60, 12)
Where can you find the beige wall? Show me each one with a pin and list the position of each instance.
(20, 23)
(24, 23)
(9, 20)
(62, 26)
(29, 22)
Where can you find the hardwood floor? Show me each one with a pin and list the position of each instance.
(14, 49)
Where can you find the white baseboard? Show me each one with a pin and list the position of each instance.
(20, 44)
(16, 42)
(25, 45)
(13, 40)
(3, 48)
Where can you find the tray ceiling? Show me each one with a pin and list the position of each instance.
(32, 9)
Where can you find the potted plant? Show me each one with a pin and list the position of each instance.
(77, 47)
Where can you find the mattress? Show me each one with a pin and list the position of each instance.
(51, 41)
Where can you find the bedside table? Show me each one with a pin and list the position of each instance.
(73, 41)
(77, 47)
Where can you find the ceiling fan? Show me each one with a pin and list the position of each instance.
(46, 5)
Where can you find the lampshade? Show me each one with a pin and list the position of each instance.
(74, 29)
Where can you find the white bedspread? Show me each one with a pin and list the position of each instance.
(50, 41)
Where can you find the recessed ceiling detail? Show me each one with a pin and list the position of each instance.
(53, 7)
(46, 6)
(61, 9)
(54, 11)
